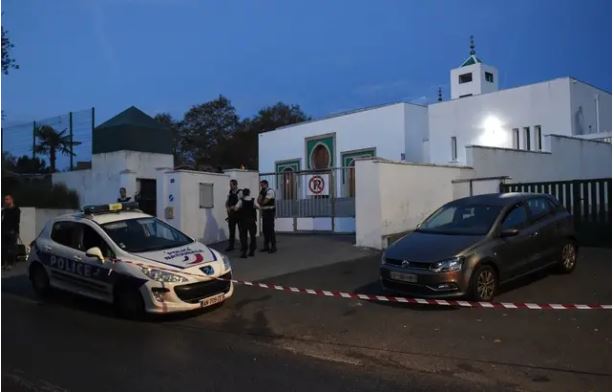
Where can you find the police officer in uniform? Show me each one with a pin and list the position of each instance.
(123, 198)
(266, 201)
(232, 219)
(246, 210)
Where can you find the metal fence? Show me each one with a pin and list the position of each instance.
(313, 193)
(589, 201)
(18, 139)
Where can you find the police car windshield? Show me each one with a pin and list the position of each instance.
(461, 220)
(145, 235)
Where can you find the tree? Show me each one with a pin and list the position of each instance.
(278, 115)
(204, 128)
(176, 128)
(52, 142)
(242, 148)
(7, 61)
(26, 164)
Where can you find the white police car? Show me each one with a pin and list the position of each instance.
(120, 255)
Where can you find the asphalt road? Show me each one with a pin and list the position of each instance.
(264, 339)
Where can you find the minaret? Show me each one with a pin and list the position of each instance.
(473, 77)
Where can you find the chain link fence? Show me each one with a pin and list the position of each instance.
(18, 139)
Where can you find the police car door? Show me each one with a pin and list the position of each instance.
(69, 268)
(95, 271)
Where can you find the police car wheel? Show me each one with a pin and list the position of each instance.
(40, 280)
(129, 303)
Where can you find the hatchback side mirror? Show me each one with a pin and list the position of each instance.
(509, 233)
(95, 252)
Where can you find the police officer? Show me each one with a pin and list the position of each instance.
(10, 231)
(266, 201)
(246, 210)
(232, 219)
(123, 198)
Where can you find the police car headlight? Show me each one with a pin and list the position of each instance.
(162, 276)
(226, 262)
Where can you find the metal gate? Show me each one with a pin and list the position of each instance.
(589, 201)
(327, 193)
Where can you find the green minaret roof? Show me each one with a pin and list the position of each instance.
(132, 130)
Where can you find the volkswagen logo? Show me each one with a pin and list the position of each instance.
(405, 264)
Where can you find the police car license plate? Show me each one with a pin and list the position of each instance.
(411, 278)
(211, 300)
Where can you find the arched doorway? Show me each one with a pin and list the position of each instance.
(320, 157)
(351, 178)
(348, 159)
(289, 184)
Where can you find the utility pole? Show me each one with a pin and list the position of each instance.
(33, 139)
(71, 141)
(93, 124)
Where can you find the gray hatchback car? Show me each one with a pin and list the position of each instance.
(470, 246)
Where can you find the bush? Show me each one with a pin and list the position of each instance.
(40, 193)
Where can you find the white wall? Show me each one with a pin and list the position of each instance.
(245, 179)
(569, 159)
(381, 127)
(393, 197)
(109, 172)
(488, 119)
(207, 225)
(33, 220)
(416, 132)
(586, 102)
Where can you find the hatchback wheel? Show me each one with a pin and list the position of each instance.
(129, 303)
(568, 257)
(40, 280)
(484, 283)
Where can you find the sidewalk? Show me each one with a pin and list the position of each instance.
(295, 252)
(19, 268)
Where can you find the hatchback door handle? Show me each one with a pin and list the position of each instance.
(77, 258)
(48, 248)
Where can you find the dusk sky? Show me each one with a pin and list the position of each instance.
(326, 56)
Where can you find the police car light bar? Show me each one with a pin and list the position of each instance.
(113, 207)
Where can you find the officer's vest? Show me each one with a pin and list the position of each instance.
(247, 212)
(233, 198)
(269, 204)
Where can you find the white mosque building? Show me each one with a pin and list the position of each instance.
(556, 130)
(478, 113)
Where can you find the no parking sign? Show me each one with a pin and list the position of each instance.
(317, 185)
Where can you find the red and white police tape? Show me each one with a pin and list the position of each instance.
(396, 299)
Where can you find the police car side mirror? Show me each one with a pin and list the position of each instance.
(95, 252)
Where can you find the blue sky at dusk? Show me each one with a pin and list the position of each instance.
(327, 56)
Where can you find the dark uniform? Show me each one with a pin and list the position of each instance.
(246, 211)
(231, 201)
(268, 218)
(10, 234)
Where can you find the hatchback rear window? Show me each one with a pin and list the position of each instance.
(539, 207)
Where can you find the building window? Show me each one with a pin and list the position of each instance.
(516, 138)
(538, 137)
(454, 149)
(489, 77)
(205, 195)
(465, 78)
(527, 138)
